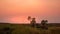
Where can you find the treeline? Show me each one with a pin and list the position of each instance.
(33, 23)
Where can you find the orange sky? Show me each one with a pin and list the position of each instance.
(18, 10)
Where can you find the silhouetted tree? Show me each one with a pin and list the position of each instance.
(29, 17)
(33, 22)
(44, 24)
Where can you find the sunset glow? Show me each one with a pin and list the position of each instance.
(18, 10)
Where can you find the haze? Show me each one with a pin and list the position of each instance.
(17, 11)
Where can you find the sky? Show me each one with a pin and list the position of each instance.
(17, 11)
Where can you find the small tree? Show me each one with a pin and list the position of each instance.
(44, 24)
(29, 18)
(33, 22)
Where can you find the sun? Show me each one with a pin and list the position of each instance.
(19, 19)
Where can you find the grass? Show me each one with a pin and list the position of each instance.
(22, 29)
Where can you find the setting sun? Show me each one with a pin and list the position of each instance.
(19, 19)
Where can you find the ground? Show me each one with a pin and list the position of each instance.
(26, 29)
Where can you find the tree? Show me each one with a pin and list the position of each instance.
(44, 24)
(33, 22)
(29, 17)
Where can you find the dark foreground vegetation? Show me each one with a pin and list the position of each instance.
(6, 28)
